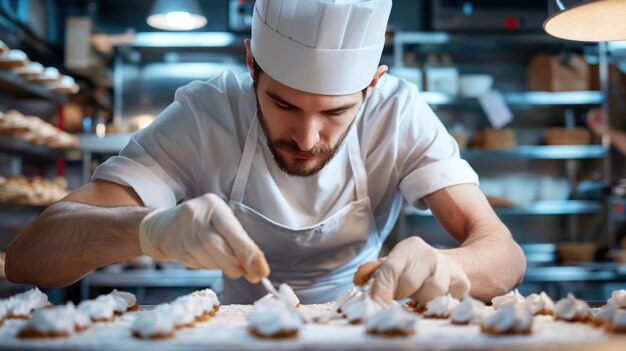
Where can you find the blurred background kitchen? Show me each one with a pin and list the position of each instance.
(77, 77)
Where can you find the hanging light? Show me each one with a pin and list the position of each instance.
(176, 15)
(587, 20)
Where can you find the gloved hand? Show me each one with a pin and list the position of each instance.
(203, 233)
(413, 269)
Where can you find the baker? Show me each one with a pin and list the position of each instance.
(296, 170)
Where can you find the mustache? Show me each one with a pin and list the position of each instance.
(292, 146)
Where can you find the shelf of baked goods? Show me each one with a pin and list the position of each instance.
(31, 136)
(544, 207)
(20, 194)
(531, 98)
(13, 85)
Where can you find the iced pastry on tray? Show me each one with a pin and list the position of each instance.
(571, 309)
(345, 298)
(64, 85)
(603, 316)
(539, 304)
(469, 311)
(180, 314)
(20, 306)
(393, 321)
(618, 299)
(129, 298)
(273, 318)
(441, 307)
(358, 309)
(49, 75)
(98, 310)
(618, 322)
(510, 298)
(209, 300)
(510, 319)
(55, 322)
(155, 324)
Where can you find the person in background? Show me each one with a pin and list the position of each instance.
(596, 122)
(295, 170)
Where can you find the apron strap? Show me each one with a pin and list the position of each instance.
(357, 163)
(245, 164)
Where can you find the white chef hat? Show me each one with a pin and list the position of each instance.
(329, 47)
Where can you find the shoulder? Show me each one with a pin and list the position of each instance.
(225, 101)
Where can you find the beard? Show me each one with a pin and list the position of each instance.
(320, 154)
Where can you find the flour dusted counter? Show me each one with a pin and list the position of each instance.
(228, 331)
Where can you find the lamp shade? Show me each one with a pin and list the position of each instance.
(176, 15)
(587, 20)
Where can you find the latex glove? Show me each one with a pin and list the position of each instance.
(413, 269)
(203, 233)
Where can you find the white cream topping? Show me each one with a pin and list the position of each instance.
(605, 314)
(14, 55)
(619, 319)
(391, 318)
(3, 310)
(50, 73)
(179, 313)
(153, 323)
(192, 304)
(618, 298)
(117, 303)
(536, 303)
(469, 310)
(52, 320)
(270, 316)
(130, 298)
(31, 68)
(345, 297)
(286, 293)
(570, 308)
(512, 297)
(360, 308)
(509, 318)
(207, 298)
(441, 306)
(96, 309)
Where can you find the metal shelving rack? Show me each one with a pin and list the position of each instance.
(570, 156)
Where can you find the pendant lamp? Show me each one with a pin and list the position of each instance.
(587, 20)
(176, 15)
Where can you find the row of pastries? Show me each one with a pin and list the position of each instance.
(35, 130)
(18, 62)
(36, 191)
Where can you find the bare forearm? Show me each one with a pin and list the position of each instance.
(70, 239)
(493, 263)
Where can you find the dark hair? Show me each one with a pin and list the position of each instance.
(257, 70)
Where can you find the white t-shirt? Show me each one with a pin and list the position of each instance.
(195, 145)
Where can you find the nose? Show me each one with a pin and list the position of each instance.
(306, 133)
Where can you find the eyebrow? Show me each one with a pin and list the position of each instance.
(280, 100)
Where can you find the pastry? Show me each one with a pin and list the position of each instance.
(98, 311)
(116, 302)
(155, 324)
(210, 302)
(469, 311)
(345, 298)
(30, 71)
(55, 322)
(13, 59)
(274, 319)
(21, 305)
(618, 322)
(416, 306)
(130, 298)
(571, 309)
(65, 85)
(512, 297)
(180, 314)
(604, 316)
(49, 75)
(441, 307)
(618, 299)
(392, 321)
(360, 308)
(194, 306)
(510, 319)
(539, 304)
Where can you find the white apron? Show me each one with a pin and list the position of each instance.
(318, 261)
